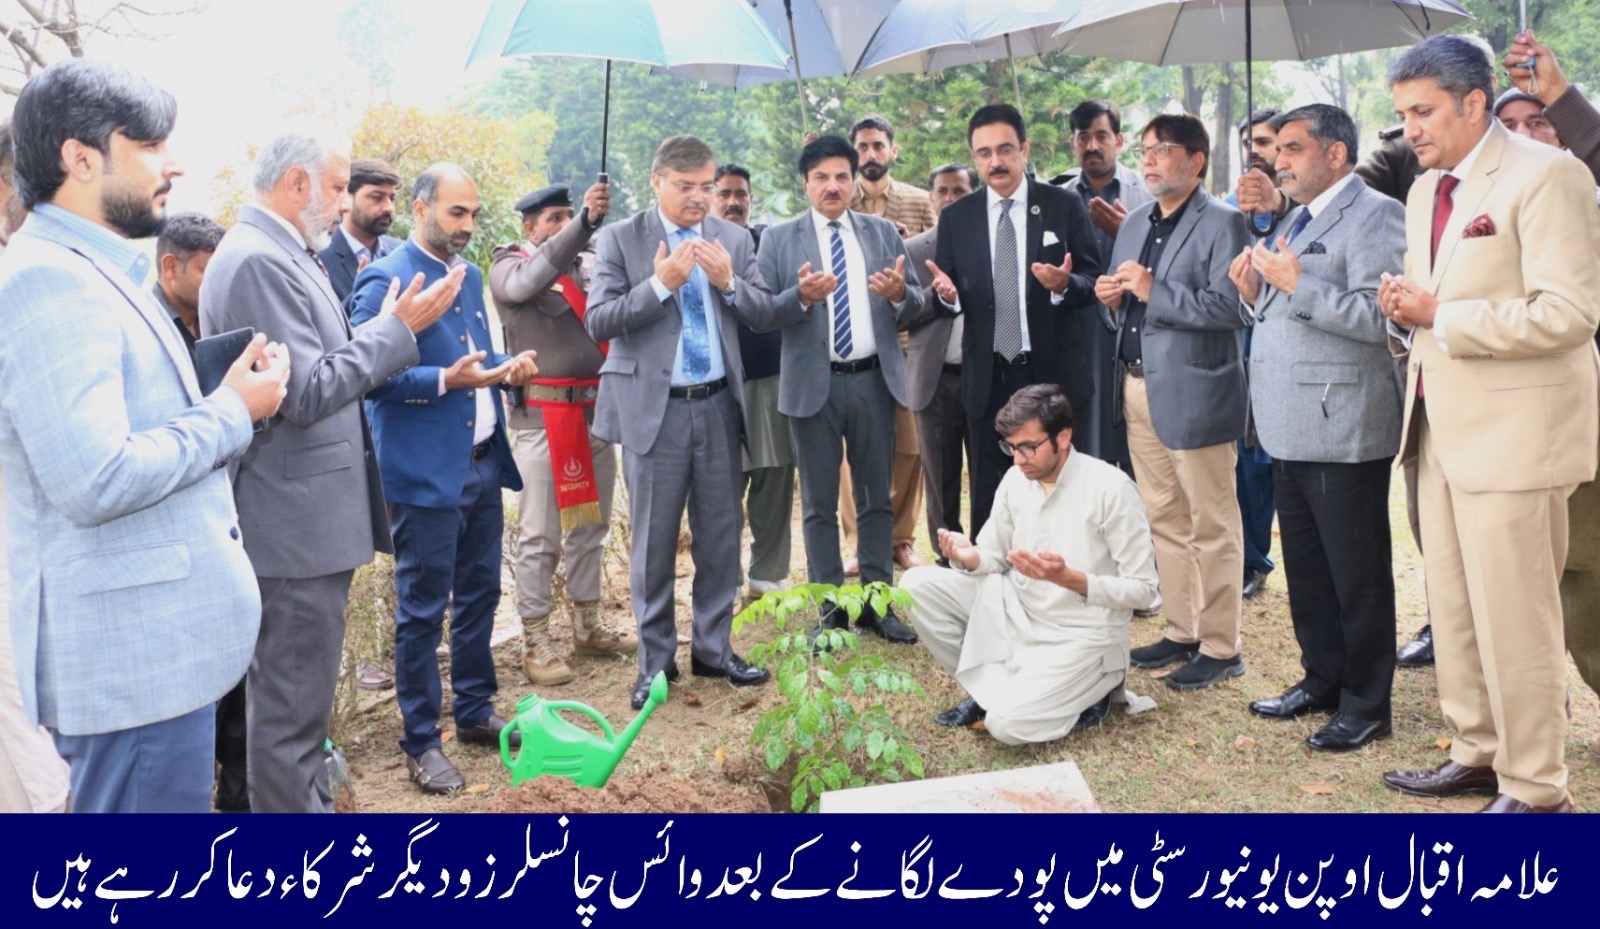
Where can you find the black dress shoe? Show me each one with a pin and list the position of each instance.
(1204, 671)
(487, 733)
(1504, 804)
(1162, 653)
(1348, 732)
(1095, 715)
(1254, 581)
(641, 686)
(738, 672)
(887, 626)
(1291, 703)
(434, 773)
(1417, 653)
(962, 716)
(1446, 780)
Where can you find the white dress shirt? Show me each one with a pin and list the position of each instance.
(863, 344)
(483, 421)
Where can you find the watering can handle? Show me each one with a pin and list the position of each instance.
(586, 710)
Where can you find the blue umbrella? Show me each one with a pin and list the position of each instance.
(654, 32)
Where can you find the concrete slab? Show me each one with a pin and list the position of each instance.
(1051, 788)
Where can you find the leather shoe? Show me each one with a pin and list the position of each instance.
(1347, 732)
(1291, 703)
(641, 686)
(905, 555)
(1204, 671)
(1254, 582)
(963, 715)
(434, 773)
(1507, 804)
(1417, 653)
(1446, 780)
(739, 672)
(487, 733)
(1095, 715)
(888, 626)
(1162, 653)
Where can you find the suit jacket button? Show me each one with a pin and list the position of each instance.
(469, 424)
(458, 311)
(463, 339)
(233, 533)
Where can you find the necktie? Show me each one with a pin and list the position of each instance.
(696, 335)
(318, 259)
(1300, 224)
(1007, 298)
(842, 342)
(1443, 203)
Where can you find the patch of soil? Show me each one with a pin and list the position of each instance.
(656, 791)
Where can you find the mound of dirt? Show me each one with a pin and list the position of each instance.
(658, 791)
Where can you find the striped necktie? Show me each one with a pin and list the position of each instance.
(843, 344)
(1007, 298)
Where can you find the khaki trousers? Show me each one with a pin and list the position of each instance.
(1493, 562)
(1192, 501)
(540, 542)
(1580, 582)
(905, 485)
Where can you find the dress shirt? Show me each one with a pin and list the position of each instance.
(1155, 244)
(360, 251)
(862, 342)
(710, 298)
(1109, 194)
(483, 421)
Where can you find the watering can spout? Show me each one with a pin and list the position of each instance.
(658, 696)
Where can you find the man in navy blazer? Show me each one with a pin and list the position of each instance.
(361, 237)
(439, 430)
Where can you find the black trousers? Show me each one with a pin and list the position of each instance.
(986, 463)
(1333, 521)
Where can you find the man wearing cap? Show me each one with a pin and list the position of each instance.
(567, 473)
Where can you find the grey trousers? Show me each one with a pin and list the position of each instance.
(695, 464)
(290, 690)
(858, 416)
(769, 502)
(541, 544)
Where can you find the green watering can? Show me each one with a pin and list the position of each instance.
(552, 745)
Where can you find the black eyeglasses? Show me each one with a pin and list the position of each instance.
(1028, 449)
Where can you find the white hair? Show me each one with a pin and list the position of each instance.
(302, 143)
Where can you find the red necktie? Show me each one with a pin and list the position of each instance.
(1443, 203)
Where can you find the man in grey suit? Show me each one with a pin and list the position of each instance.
(933, 367)
(842, 372)
(132, 609)
(669, 285)
(310, 503)
(1183, 396)
(1327, 409)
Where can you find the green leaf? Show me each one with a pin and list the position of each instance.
(880, 601)
(830, 680)
(891, 750)
(810, 718)
(834, 777)
(777, 752)
(851, 737)
(912, 761)
(797, 797)
(853, 608)
(875, 744)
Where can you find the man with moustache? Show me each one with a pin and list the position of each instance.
(362, 235)
(311, 504)
(768, 458)
(1499, 305)
(840, 278)
(1018, 260)
(133, 609)
(908, 208)
(933, 368)
(439, 431)
(1327, 408)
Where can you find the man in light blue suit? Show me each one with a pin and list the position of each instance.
(440, 432)
(133, 607)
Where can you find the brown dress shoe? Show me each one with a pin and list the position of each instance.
(1507, 804)
(1446, 780)
(906, 556)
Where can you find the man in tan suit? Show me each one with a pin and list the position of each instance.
(1499, 305)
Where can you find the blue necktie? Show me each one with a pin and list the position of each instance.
(692, 304)
(1300, 223)
(842, 343)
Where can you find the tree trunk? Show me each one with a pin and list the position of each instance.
(1193, 94)
(1225, 140)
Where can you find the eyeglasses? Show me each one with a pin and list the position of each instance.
(1160, 149)
(1028, 449)
(684, 188)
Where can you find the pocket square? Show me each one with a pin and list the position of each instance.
(1050, 238)
(1479, 227)
(1315, 248)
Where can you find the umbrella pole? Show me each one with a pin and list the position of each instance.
(1016, 88)
(799, 79)
(605, 122)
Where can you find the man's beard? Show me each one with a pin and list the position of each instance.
(135, 216)
(441, 241)
(375, 225)
(316, 218)
(1260, 164)
(873, 171)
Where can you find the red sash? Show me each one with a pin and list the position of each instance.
(579, 302)
(567, 435)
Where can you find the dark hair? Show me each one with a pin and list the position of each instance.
(1084, 114)
(1264, 114)
(370, 172)
(186, 234)
(997, 113)
(85, 100)
(1327, 124)
(733, 169)
(953, 167)
(1458, 64)
(872, 121)
(1183, 129)
(1047, 403)
(681, 153)
(825, 147)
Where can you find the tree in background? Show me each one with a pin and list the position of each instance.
(39, 32)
